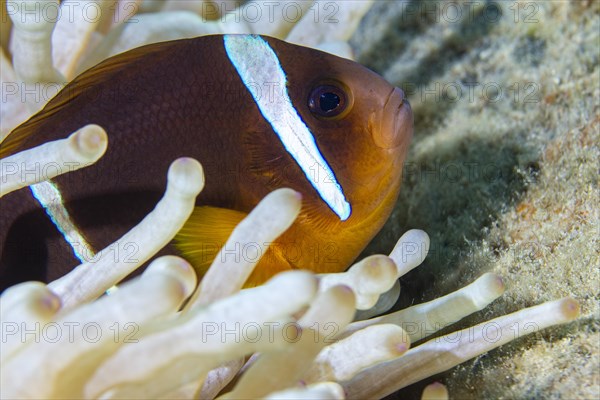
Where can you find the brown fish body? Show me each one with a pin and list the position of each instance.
(186, 99)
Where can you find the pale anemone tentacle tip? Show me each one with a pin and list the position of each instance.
(34, 296)
(178, 269)
(368, 279)
(343, 359)
(81, 149)
(425, 319)
(435, 391)
(90, 141)
(186, 177)
(27, 304)
(408, 253)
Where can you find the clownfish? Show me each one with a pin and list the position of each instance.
(257, 112)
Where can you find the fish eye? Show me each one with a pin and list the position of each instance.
(327, 101)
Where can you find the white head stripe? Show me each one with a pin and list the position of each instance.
(48, 195)
(261, 73)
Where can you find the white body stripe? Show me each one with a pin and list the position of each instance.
(260, 71)
(48, 195)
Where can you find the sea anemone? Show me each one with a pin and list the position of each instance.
(165, 335)
(106, 347)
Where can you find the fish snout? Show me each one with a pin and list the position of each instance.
(396, 121)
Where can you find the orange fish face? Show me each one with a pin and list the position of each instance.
(362, 127)
(361, 123)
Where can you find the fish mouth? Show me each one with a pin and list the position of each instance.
(396, 121)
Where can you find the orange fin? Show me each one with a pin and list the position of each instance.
(89, 81)
(207, 230)
(204, 233)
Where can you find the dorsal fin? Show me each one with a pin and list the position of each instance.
(90, 79)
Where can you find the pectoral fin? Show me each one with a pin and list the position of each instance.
(207, 231)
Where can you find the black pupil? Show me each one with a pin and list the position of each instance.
(329, 101)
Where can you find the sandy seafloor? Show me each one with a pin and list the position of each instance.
(502, 173)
